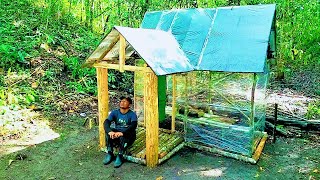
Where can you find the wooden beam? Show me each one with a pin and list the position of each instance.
(151, 118)
(222, 152)
(122, 53)
(103, 102)
(259, 149)
(116, 59)
(104, 64)
(104, 47)
(174, 108)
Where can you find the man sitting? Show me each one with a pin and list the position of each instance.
(120, 128)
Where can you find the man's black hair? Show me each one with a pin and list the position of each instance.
(127, 98)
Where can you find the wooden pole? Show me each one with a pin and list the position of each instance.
(174, 108)
(186, 100)
(144, 96)
(275, 122)
(122, 53)
(259, 149)
(103, 102)
(151, 119)
(222, 152)
(252, 115)
(210, 92)
(252, 99)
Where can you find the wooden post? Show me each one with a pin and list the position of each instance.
(210, 92)
(151, 118)
(122, 53)
(144, 97)
(185, 97)
(252, 115)
(275, 122)
(174, 108)
(103, 102)
(252, 99)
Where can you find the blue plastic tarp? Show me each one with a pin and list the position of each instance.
(232, 39)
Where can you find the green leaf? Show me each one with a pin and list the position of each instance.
(22, 56)
(30, 98)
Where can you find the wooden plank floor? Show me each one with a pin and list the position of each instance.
(167, 142)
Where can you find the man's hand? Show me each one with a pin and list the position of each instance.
(114, 135)
(118, 134)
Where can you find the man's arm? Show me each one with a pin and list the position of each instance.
(107, 122)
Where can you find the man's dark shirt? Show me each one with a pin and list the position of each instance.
(125, 123)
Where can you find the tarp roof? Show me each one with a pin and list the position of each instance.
(158, 48)
(233, 39)
(230, 39)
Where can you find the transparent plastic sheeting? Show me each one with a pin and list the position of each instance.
(229, 39)
(229, 124)
(158, 48)
(227, 138)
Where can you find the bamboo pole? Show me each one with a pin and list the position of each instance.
(252, 99)
(175, 141)
(186, 100)
(151, 118)
(122, 53)
(140, 142)
(258, 151)
(142, 154)
(103, 102)
(224, 153)
(252, 114)
(144, 96)
(176, 149)
(134, 159)
(210, 93)
(140, 136)
(174, 108)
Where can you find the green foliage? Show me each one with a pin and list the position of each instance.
(121, 81)
(313, 110)
(86, 77)
(17, 97)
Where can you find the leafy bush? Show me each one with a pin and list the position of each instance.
(313, 110)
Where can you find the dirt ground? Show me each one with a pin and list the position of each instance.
(75, 155)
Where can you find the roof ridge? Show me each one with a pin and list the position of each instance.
(206, 40)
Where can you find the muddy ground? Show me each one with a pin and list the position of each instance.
(75, 155)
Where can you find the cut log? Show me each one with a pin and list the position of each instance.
(279, 131)
(303, 124)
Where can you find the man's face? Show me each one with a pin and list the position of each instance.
(124, 104)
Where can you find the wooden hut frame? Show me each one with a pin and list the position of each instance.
(113, 52)
(149, 152)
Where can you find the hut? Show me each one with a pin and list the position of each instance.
(207, 67)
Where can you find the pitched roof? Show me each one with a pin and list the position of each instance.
(232, 39)
(158, 48)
